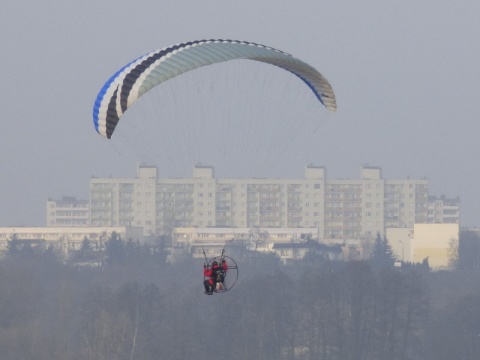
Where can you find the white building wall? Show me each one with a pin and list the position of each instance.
(373, 201)
(433, 241)
(402, 243)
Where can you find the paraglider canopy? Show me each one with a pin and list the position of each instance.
(139, 76)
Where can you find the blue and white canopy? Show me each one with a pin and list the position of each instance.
(150, 70)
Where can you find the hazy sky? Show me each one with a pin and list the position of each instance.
(405, 74)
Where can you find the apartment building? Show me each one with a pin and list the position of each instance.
(443, 210)
(339, 209)
(125, 202)
(68, 212)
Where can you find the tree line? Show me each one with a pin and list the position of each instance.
(133, 304)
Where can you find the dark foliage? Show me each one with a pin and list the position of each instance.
(382, 254)
(469, 251)
(136, 306)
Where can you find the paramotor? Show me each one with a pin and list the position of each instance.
(226, 277)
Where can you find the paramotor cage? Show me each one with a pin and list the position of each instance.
(226, 280)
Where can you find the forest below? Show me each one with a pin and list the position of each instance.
(138, 306)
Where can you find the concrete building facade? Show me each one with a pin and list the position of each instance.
(68, 212)
(443, 210)
(340, 209)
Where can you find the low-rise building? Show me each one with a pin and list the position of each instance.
(66, 239)
(434, 243)
(297, 251)
(212, 240)
(401, 240)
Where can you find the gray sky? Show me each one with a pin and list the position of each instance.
(405, 74)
